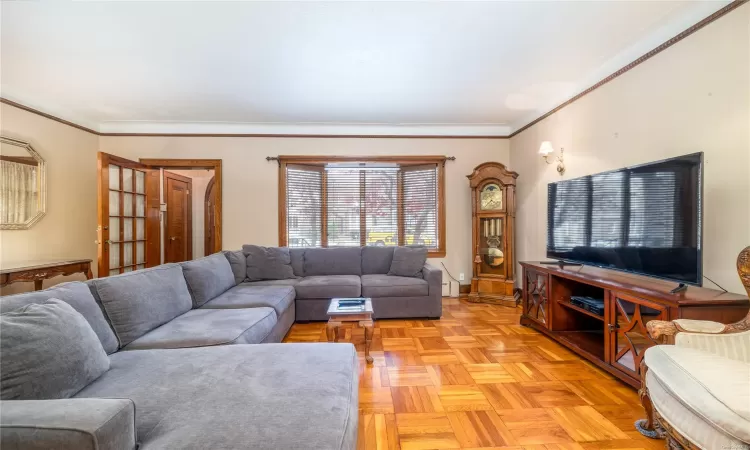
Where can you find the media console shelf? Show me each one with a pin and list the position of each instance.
(616, 340)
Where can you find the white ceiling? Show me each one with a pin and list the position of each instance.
(473, 68)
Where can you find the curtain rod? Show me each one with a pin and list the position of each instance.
(278, 159)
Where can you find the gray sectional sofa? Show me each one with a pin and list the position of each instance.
(148, 359)
(319, 274)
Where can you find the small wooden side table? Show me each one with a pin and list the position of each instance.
(337, 316)
(38, 271)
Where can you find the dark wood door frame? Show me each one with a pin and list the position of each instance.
(188, 223)
(208, 231)
(210, 164)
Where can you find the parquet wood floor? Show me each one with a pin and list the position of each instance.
(477, 379)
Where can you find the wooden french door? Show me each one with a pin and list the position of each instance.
(178, 229)
(128, 215)
(209, 221)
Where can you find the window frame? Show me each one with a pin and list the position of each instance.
(321, 161)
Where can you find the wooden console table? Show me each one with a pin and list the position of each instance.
(615, 341)
(38, 271)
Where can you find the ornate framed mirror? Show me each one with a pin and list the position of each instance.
(23, 185)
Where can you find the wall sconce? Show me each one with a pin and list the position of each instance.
(545, 149)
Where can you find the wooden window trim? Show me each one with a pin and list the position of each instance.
(414, 162)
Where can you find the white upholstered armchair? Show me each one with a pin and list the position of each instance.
(696, 393)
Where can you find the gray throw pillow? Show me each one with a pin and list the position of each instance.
(408, 261)
(238, 262)
(208, 277)
(268, 263)
(48, 351)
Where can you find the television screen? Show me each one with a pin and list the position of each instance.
(644, 219)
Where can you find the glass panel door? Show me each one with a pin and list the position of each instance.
(631, 338)
(123, 208)
(536, 296)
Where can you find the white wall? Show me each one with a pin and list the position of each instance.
(68, 230)
(200, 180)
(250, 194)
(694, 96)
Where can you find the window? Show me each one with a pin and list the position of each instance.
(341, 202)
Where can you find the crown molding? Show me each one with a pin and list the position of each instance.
(341, 130)
(634, 55)
(406, 131)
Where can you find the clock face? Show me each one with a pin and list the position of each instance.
(491, 197)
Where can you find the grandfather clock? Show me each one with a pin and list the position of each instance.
(493, 204)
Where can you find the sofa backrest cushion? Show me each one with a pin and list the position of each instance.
(333, 261)
(77, 295)
(48, 351)
(297, 255)
(207, 278)
(137, 302)
(408, 261)
(238, 263)
(268, 263)
(376, 260)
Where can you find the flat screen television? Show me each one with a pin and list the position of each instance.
(645, 219)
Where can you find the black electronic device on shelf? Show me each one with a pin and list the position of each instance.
(590, 304)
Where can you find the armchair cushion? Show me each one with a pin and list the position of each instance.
(700, 326)
(74, 424)
(686, 422)
(708, 385)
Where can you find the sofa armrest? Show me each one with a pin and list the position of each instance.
(665, 332)
(77, 423)
(434, 278)
(730, 345)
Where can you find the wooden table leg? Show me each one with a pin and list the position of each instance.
(367, 325)
(332, 331)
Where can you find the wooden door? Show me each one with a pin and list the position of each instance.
(629, 339)
(178, 225)
(209, 221)
(128, 232)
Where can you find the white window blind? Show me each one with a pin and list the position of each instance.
(304, 200)
(420, 206)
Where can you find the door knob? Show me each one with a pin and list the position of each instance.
(106, 242)
(172, 238)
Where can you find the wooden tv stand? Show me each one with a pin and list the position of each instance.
(616, 341)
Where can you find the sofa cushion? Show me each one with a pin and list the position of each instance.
(287, 282)
(268, 263)
(238, 263)
(48, 351)
(376, 260)
(245, 295)
(68, 424)
(330, 286)
(137, 302)
(408, 261)
(393, 286)
(333, 261)
(77, 295)
(207, 327)
(274, 396)
(208, 277)
(297, 255)
(709, 385)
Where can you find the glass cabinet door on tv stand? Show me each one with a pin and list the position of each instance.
(493, 211)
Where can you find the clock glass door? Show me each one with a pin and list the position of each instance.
(492, 245)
